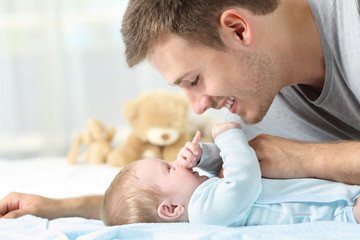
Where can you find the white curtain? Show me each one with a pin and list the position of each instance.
(61, 63)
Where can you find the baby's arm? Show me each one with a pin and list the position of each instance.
(190, 154)
(227, 201)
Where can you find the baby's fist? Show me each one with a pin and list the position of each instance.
(222, 127)
(190, 154)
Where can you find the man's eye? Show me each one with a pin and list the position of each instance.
(194, 83)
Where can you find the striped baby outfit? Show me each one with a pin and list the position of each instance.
(243, 198)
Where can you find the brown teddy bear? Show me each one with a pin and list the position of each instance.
(159, 128)
(98, 140)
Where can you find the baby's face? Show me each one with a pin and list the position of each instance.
(177, 183)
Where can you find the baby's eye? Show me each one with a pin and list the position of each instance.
(194, 83)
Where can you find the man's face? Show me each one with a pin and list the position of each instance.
(241, 81)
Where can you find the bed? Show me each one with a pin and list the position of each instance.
(52, 177)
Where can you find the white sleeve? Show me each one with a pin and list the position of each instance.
(227, 201)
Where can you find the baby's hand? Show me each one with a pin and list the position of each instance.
(190, 154)
(222, 127)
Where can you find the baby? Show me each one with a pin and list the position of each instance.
(152, 190)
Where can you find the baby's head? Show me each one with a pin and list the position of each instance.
(150, 190)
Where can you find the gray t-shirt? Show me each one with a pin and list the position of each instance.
(297, 112)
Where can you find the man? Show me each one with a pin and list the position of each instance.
(288, 68)
(305, 50)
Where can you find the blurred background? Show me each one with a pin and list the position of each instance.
(61, 63)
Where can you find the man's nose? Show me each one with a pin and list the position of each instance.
(199, 104)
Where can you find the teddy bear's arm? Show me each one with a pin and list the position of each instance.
(127, 152)
(73, 153)
(110, 134)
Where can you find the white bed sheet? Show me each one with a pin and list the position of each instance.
(53, 177)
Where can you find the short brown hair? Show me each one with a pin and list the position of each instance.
(127, 200)
(194, 20)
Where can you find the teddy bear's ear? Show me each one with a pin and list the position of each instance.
(130, 110)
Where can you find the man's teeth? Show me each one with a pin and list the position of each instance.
(229, 102)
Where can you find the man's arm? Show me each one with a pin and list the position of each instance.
(284, 158)
(15, 205)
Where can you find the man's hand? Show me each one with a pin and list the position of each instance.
(280, 157)
(284, 158)
(190, 154)
(15, 205)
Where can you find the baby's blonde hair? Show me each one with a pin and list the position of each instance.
(127, 200)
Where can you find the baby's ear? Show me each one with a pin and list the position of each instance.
(170, 212)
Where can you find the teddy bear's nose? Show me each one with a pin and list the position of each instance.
(165, 136)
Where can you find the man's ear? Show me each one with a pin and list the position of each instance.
(170, 212)
(234, 28)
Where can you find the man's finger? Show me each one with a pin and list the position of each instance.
(13, 214)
